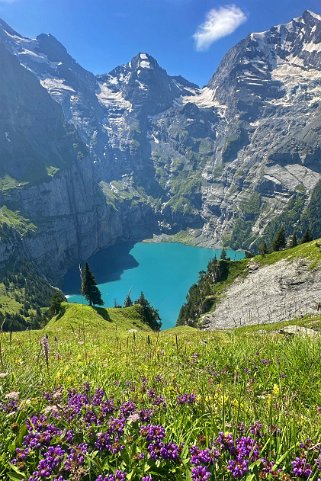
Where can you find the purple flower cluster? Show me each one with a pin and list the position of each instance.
(238, 467)
(111, 439)
(118, 476)
(203, 456)
(151, 432)
(200, 473)
(240, 451)
(76, 456)
(40, 432)
(81, 425)
(186, 398)
(157, 449)
(128, 408)
(52, 458)
(256, 429)
(301, 468)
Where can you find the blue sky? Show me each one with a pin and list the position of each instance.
(187, 37)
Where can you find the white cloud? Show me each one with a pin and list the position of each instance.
(219, 23)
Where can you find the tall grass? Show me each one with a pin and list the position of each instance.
(235, 380)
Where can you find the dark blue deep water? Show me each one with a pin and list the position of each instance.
(163, 271)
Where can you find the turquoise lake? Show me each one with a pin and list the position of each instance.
(163, 271)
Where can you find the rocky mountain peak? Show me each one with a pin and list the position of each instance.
(260, 68)
(144, 61)
(308, 15)
(145, 84)
(7, 28)
(52, 48)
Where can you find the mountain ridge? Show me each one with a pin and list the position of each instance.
(225, 161)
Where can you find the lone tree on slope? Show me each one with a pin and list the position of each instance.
(149, 314)
(263, 248)
(279, 241)
(307, 237)
(89, 287)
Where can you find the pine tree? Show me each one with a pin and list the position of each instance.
(149, 314)
(128, 302)
(307, 237)
(279, 241)
(263, 249)
(55, 304)
(89, 287)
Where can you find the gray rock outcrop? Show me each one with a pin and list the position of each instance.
(283, 291)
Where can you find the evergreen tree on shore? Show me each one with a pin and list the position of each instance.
(128, 302)
(89, 287)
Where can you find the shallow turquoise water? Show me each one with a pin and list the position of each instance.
(164, 272)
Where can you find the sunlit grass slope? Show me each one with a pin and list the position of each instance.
(79, 316)
(125, 403)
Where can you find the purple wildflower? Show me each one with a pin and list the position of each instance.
(301, 468)
(145, 415)
(256, 429)
(76, 456)
(128, 408)
(203, 456)
(153, 432)
(238, 467)
(200, 473)
(170, 451)
(186, 399)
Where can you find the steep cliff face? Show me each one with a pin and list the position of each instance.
(267, 149)
(226, 159)
(48, 179)
(72, 221)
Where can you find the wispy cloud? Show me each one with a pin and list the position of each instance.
(219, 22)
(8, 1)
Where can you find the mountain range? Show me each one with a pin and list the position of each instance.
(89, 160)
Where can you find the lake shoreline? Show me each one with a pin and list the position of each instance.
(164, 271)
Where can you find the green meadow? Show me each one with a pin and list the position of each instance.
(96, 395)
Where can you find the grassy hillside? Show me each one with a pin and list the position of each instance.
(80, 317)
(189, 405)
(13, 220)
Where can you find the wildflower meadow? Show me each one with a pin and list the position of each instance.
(109, 402)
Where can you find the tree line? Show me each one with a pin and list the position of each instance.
(280, 241)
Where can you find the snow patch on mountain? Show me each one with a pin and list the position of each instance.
(312, 47)
(314, 15)
(55, 85)
(144, 61)
(112, 99)
(203, 98)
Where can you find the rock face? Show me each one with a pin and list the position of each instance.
(91, 160)
(279, 292)
(268, 147)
